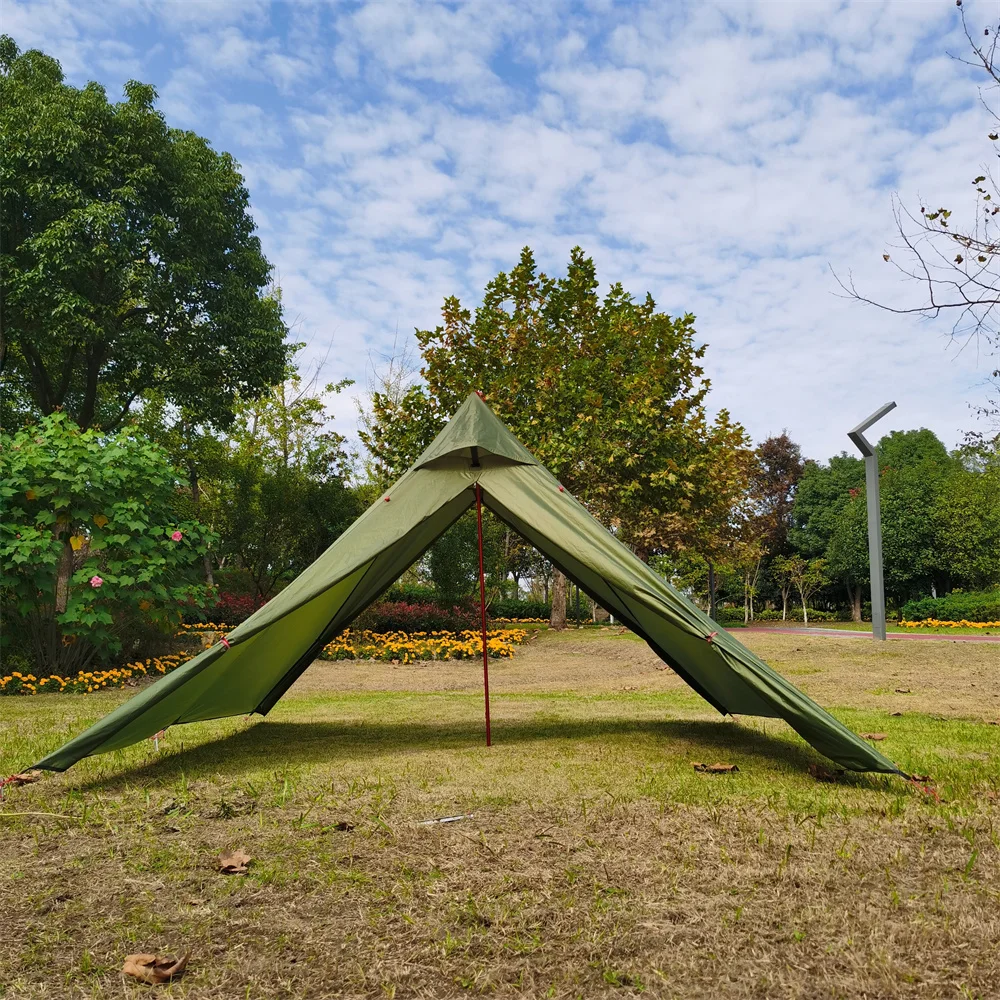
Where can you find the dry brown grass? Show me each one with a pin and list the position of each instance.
(596, 862)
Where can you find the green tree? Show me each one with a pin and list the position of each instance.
(966, 519)
(453, 561)
(608, 393)
(128, 257)
(807, 576)
(93, 553)
(273, 483)
(276, 521)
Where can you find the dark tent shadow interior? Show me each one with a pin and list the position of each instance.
(294, 743)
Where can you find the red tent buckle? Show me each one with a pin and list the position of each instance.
(225, 642)
(710, 636)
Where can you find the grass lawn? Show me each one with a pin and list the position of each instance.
(596, 860)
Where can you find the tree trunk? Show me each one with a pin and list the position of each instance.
(196, 498)
(63, 572)
(805, 613)
(557, 618)
(784, 604)
(711, 590)
(854, 596)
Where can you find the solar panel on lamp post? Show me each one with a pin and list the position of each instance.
(867, 449)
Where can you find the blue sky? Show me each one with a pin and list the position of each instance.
(722, 156)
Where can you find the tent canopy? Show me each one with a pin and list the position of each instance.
(266, 653)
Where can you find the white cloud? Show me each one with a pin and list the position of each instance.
(719, 155)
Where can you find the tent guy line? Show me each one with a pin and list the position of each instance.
(473, 460)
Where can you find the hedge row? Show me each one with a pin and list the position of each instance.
(401, 609)
(734, 616)
(976, 606)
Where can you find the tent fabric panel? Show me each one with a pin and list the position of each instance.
(475, 425)
(251, 675)
(683, 652)
(380, 574)
(215, 684)
(417, 496)
(236, 683)
(562, 528)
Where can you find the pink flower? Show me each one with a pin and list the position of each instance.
(177, 536)
(95, 582)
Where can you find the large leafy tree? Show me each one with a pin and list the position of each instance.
(128, 255)
(608, 393)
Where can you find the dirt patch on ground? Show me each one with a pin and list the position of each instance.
(667, 901)
(575, 661)
(946, 678)
(954, 679)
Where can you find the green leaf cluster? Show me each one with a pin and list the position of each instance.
(608, 393)
(87, 551)
(128, 257)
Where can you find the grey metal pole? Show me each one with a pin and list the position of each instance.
(874, 518)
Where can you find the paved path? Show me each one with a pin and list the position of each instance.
(848, 634)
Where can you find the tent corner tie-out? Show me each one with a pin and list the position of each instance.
(474, 460)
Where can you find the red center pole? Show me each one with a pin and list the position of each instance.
(482, 609)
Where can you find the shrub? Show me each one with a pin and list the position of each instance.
(93, 555)
(228, 607)
(975, 606)
(734, 616)
(402, 616)
(518, 610)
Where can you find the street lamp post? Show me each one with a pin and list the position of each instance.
(874, 518)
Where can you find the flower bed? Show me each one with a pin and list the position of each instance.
(936, 623)
(88, 681)
(406, 647)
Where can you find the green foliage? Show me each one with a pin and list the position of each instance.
(966, 519)
(608, 394)
(940, 517)
(128, 256)
(91, 546)
(272, 485)
(975, 606)
(453, 561)
(821, 495)
(277, 521)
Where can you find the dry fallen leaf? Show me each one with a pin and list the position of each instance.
(234, 862)
(343, 826)
(874, 737)
(821, 773)
(719, 768)
(902, 690)
(153, 969)
(896, 713)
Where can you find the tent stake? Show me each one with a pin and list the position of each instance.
(482, 611)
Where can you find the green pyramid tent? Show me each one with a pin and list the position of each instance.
(260, 659)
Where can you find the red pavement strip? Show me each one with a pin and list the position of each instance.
(846, 634)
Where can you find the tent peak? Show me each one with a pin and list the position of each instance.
(475, 426)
